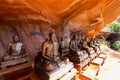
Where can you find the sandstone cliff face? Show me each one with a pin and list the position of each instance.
(61, 16)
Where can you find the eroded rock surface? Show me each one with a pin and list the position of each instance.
(62, 16)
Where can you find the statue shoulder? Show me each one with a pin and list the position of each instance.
(45, 43)
(9, 44)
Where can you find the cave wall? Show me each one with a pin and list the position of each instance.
(32, 43)
(22, 17)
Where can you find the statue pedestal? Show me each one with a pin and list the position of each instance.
(79, 63)
(92, 53)
(15, 64)
(66, 72)
(82, 60)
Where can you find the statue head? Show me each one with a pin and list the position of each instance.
(52, 37)
(92, 39)
(47, 39)
(15, 38)
(86, 39)
(74, 37)
(61, 38)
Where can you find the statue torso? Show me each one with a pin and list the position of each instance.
(74, 45)
(51, 49)
(16, 48)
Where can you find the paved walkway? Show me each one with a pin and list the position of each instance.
(110, 69)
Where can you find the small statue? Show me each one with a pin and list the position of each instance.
(92, 44)
(85, 45)
(16, 56)
(62, 46)
(97, 44)
(50, 54)
(14, 49)
(78, 51)
(74, 49)
(81, 42)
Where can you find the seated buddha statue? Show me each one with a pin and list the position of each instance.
(61, 45)
(50, 54)
(15, 50)
(85, 45)
(78, 52)
(97, 43)
(92, 44)
(80, 40)
(74, 49)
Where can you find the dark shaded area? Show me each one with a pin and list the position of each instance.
(113, 37)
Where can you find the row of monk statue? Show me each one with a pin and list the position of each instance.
(50, 59)
(86, 43)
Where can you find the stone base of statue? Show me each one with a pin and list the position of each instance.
(65, 72)
(64, 51)
(83, 59)
(93, 54)
(14, 63)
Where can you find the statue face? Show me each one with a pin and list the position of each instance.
(75, 37)
(15, 39)
(53, 37)
(86, 38)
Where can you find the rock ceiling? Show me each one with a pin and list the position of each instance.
(61, 16)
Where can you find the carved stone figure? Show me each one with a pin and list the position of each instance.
(74, 49)
(92, 44)
(85, 45)
(62, 44)
(61, 47)
(97, 43)
(50, 54)
(77, 54)
(81, 42)
(15, 56)
(14, 49)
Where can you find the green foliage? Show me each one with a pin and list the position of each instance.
(114, 26)
(118, 49)
(116, 44)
